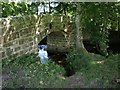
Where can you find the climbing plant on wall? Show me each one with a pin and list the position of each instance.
(18, 9)
(64, 8)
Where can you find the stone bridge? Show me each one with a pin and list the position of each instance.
(21, 35)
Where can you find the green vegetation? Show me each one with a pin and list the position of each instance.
(26, 71)
(78, 60)
(97, 70)
(18, 9)
(103, 72)
(97, 19)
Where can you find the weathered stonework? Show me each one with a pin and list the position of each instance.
(21, 35)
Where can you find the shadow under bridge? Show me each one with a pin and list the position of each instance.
(57, 42)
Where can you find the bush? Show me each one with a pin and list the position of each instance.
(78, 60)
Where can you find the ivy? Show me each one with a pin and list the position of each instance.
(18, 9)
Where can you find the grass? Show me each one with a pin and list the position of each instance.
(26, 71)
(102, 73)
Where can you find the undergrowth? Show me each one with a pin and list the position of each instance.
(103, 73)
(26, 71)
(98, 71)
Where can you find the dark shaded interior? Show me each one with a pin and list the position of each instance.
(43, 41)
(114, 42)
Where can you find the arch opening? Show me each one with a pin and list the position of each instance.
(43, 41)
(57, 51)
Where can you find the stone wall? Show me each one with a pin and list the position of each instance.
(21, 35)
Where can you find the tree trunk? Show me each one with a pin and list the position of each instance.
(78, 32)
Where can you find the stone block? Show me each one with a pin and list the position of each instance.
(32, 29)
(11, 29)
(24, 32)
(17, 48)
(20, 19)
(17, 35)
(29, 39)
(5, 38)
(31, 44)
(14, 21)
(4, 30)
(56, 17)
(9, 51)
(15, 42)
(46, 19)
(30, 48)
(27, 19)
(21, 52)
(3, 22)
(1, 31)
(57, 27)
(2, 54)
(8, 44)
(21, 41)
(15, 24)
(24, 46)
(9, 38)
(19, 27)
(1, 39)
(28, 30)
(38, 20)
(16, 53)
(13, 36)
(44, 24)
(24, 25)
(26, 51)
(33, 20)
